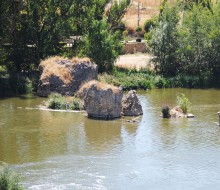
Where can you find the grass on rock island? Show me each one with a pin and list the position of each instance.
(59, 102)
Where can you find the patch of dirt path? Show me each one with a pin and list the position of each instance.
(134, 61)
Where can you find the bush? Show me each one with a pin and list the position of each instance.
(149, 24)
(138, 29)
(130, 31)
(56, 101)
(165, 112)
(125, 33)
(9, 180)
(76, 104)
(129, 79)
(59, 102)
(184, 103)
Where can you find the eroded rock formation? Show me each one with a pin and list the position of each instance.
(131, 105)
(65, 76)
(102, 101)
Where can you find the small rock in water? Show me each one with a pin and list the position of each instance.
(190, 115)
(131, 105)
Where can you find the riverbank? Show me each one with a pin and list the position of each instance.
(132, 71)
(137, 71)
(147, 79)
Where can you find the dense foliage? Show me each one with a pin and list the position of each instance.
(186, 44)
(31, 30)
(102, 46)
(184, 103)
(9, 180)
(59, 102)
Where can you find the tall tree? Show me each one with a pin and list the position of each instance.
(34, 28)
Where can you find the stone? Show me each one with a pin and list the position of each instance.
(131, 105)
(176, 112)
(189, 115)
(65, 76)
(101, 101)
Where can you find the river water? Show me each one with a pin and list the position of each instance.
(59, 150)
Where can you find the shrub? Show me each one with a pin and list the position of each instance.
(56, 101)
(147, 36)
(76, 104)
(138, 29)
(9, 180)
(129, 79)
(59, 102)
(130, 31)
(149, 24)
(125, 33)
(165, 112)
(161, 82)
(184, 103)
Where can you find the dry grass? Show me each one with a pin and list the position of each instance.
(99, 86)
(59, 70)
(75, 60)
(134, 62)
(148, 9)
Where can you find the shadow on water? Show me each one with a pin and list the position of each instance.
(22, 97)
(102, 136)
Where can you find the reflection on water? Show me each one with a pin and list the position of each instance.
(102, 135)
(55, 150)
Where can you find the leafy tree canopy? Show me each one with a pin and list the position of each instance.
(42, 24)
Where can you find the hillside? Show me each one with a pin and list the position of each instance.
(148, 9)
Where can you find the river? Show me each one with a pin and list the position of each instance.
(60, 150)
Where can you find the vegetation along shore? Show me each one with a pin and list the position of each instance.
(182, 39)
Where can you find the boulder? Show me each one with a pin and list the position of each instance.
(102, 101)
(177, 112)
(131, 105)
(65, 76)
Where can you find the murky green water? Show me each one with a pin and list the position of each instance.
(55, 150)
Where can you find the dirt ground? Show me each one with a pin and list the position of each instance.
(148, 9)
(134, 61)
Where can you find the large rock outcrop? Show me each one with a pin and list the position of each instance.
(102, 101)
(131, 105)
(65, 76)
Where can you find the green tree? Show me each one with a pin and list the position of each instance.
(214, 53)
(164, 42)
(11, 33)
(188, 4)
(102, 46)
(116, 13)
(42, 24)
(194, 40)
